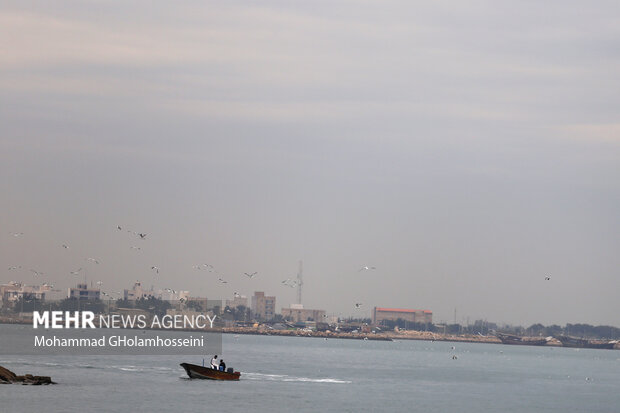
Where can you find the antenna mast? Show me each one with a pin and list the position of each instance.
(300, 281)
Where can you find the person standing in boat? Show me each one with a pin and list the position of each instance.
(215, 363)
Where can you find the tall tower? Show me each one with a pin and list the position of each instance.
(300, 281)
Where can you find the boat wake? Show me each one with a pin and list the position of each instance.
(127, 368)
(286, 378)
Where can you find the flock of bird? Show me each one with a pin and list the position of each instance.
(289, 282)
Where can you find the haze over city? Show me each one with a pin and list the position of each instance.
(465, 151)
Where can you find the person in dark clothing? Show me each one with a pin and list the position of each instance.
(222, 365)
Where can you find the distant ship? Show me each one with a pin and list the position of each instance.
(522, 341)
(568, 341)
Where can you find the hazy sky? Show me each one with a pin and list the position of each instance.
(465, 149)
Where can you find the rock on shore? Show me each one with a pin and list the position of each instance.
(8, 377)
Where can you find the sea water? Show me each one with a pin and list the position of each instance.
(294, 374)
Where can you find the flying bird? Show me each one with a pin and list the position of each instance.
(290, 283)
(365, 268)
(136, 248)
(251, 275)
(547, 278)
(142, 236)
(92, 260)
(236, 294)
(155, 268)
(17, 234)
(37, 273)
(65, 246)
(119, 228)
(207, 267)
(223, 281)
(358, 305)
(76, 272)
(99, 283)
(14, 267)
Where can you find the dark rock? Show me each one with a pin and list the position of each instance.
(7, 376)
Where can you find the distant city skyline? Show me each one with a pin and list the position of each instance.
(466, 151)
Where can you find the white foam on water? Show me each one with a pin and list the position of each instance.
(286, 378)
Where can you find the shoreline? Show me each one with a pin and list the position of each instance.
(384, 336)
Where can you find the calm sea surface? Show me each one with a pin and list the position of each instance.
(286, 374)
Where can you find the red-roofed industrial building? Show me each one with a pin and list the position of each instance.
(414, 316)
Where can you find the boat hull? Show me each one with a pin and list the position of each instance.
(583, 343)
(195, 371)
(519, 341)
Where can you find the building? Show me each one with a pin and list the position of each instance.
(238, 301)
(263, 307)
(82, 292)
(297, 313)
(413, 316)
(13, 292)
(137, 292)
(173, 295)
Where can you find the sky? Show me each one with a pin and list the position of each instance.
(467, 151)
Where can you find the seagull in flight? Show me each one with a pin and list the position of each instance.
(65, 246)
(236, 294)
(37, 273)
(99, 283)
(142, 236)
(366, 268)
(93, 260)
(223, 281)
(119, 228)
(290, 283)
(14, 267)
(76, 272)
(251, 275)
(136, 248)
(547, 278)
(155, 268)
(17, 234)
(358, 305)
